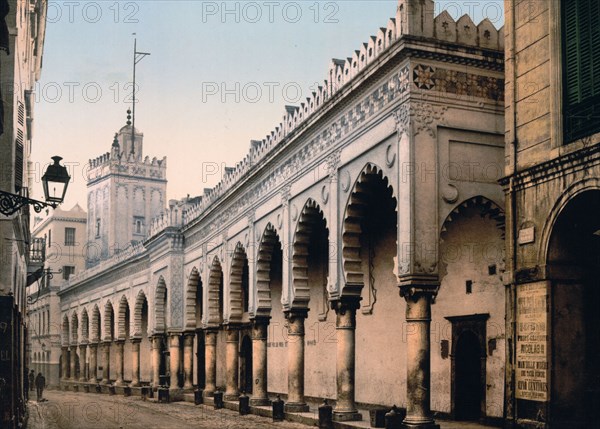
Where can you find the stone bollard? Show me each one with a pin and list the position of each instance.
(198, 396)
(163, 394)
(278, 413)
(127, 391)
(393, 419)
(377, 416)
(218, 400)
(98, 388)
(111, 390)
(145, 392)
(325, 416)
(244, 404)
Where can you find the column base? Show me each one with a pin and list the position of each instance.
(425, 425)
(347, 416)
(104, 382)
(231, 396)
(82, 380)
(120, 383)
(260, 402)
(134, 384)
(296, 408)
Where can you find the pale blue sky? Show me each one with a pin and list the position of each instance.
(193, 45)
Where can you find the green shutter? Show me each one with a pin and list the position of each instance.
(581, 55)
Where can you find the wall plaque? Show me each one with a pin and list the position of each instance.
(532, 342)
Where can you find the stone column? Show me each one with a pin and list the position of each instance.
(210, 347)
(73, 361)
(135, 367)
(106, 363)
(82, 362)
(296, 401)
(174, 340)
(120, 362)
(345, 310)
(93, 378)
(259, 361)
(156, 351)
(232, 392)
(188, 360)
(64, 364)
(418, 351)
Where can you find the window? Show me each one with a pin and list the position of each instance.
(67, 271)
(98, 228)
(581, 68)
(49, 238)
(138, 225)
(69, 236)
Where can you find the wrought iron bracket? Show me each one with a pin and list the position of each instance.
(11, 203)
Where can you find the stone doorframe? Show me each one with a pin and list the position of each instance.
(476, 323)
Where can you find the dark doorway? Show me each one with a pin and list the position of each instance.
(468, 377)
(246, 365)
(574, 268)
(469, 356)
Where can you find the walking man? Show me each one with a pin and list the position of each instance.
(40, 383)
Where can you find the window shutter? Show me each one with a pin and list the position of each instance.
(581, 54)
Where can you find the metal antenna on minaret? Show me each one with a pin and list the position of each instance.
(137, 57)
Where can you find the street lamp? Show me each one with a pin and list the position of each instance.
(55, 180)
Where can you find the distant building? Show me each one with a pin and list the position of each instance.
(552, 189)
(61, 239)
(22, 36)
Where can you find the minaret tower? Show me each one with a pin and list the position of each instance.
(125, 192)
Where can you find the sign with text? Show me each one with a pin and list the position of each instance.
(532, 342)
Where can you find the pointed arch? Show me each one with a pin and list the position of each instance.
(74, 328)
(160, 304)
(238, 284)
(85, 326)
(109, 323)
(66, 331)
(96, 325)
(356, 212)
(268, 242)
(137, 313)
(193, 286)
(311, 217)
(123, 318)
(215, 293)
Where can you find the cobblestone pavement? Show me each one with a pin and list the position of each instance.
(71, 410)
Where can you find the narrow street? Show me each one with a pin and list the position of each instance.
(71, 410)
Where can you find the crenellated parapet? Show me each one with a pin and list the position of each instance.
(107, 163)
(413, 21)
(173, 216)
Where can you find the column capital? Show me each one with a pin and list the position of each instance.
(346, 303)
(296, 313)
(120, 341)
(135, 340)
(260, 320)
(413, 292)
(232, 327)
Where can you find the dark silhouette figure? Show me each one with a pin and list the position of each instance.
(31, 380)
(40, 383)
(26, 385)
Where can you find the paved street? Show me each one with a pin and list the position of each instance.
(70, 410)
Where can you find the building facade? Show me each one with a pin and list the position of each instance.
(552, 186)
(61, 239)
(355, 254)
(22, 29)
